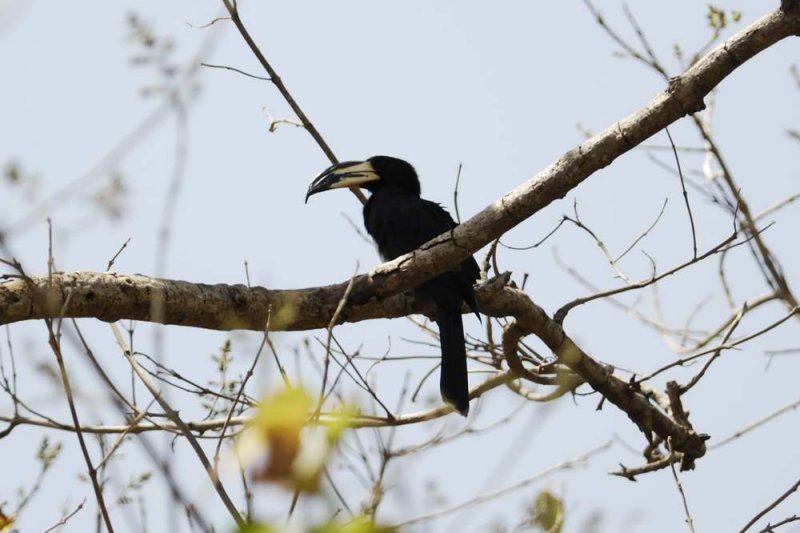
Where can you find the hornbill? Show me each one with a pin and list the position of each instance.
(400, 222)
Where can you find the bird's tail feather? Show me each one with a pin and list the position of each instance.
(453, 382)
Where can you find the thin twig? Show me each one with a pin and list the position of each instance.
(778, 206)
(359, 379)
(55, 345)
(111, 261)
(233, 10)
(240, 392)
(600, 244)
(689, 521)
(121, 438)
(723, 246)
(718, 352)
(566, 465)
(540, 241)
(642, 38)
(757, 424)
(455, 193)
(234, 69)
(208, 24)
(643, 235)
(176, 419)
(722, 346)
(685, 194)
(770, 528)
(122, 405)
(772, 506)
(65, 518)
(358, 422)
(54, 340)
(630, 473)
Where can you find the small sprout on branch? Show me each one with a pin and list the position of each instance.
(718, 20)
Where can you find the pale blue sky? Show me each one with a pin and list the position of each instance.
(499, 89)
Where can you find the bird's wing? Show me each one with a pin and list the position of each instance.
(401, 223)
(463, 276)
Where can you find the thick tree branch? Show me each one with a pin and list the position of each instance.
(683, 96)
(110, 297)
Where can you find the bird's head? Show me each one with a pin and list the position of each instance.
(375, 173)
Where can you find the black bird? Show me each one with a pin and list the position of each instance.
(400, 222)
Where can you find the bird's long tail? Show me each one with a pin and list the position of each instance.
(453, 382)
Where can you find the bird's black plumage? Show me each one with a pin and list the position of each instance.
(401, 221)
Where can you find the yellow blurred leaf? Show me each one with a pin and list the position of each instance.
(280, 419)
(6, 522)
(359, 524)
(256, 528)
(296, 452)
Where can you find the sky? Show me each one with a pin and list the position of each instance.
(501, 91)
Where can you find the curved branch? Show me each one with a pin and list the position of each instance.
(111, 296)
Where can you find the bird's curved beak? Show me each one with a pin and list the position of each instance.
(345, 174)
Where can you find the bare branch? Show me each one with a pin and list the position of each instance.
(234, 69)
(233, 10)
(772, 506)
(685, 194)
(176, 419)
(566, 465)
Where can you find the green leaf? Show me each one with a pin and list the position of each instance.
(716, 18)
(548, 512)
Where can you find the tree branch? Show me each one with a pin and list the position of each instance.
(683, 96)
